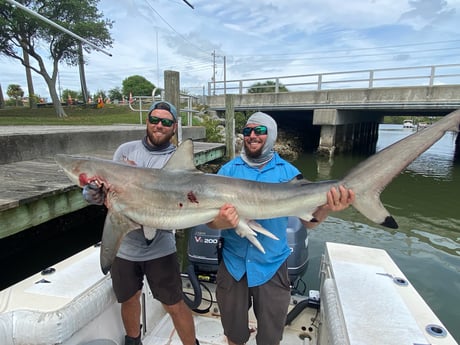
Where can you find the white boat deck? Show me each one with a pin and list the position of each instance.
(378, 303)
(365, 299)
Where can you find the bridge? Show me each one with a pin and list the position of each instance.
(343, 105)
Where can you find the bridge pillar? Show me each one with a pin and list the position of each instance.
(457, 148)
(345, 131)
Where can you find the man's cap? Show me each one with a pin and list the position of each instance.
(165, 106)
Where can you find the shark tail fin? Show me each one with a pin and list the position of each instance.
(372, 208)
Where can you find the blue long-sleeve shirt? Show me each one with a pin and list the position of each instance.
(239, 255)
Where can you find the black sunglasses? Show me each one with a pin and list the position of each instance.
(156, 120)
(259, 130)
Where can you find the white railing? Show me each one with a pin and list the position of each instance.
(383, 77)
(141, 104)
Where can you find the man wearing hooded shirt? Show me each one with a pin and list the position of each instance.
(246, 276)
(138, 256)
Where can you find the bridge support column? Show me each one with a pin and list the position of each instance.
(345, 133)
(457, 148)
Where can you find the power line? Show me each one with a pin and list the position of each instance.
(328, 51)
(172, 28)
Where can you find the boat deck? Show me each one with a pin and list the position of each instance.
(364, 299)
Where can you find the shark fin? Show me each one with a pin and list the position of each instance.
(116, 226)
(149, 233)
(244, 230)
(249, 229)
(372, 208)
(183, 158)
(260, 229)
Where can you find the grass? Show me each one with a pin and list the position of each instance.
(76, 115)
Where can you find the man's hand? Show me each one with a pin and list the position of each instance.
(337, 200)
(226, 219)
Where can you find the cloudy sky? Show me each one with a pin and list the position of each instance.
(260, 38)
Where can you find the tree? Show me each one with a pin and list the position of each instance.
(115, 94)
(21, 31)
(68, 95)
(30, 84)
(2, 100)
(268, 86)
(15, 91)
(137, 86)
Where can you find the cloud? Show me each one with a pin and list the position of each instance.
(260, 39)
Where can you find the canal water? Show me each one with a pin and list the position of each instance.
(424, 201)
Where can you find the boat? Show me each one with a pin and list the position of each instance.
(408, 124)
(364, 298)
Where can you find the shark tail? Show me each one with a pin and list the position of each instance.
(370, 177)
(373, 209)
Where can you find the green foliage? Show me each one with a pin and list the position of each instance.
(115, 94)
(20, 31)
(100, 93)
(213, 129)
(268, 86)
(77, 115)
(66, 93)
(137, 86)
(240, 121)
(15, 92)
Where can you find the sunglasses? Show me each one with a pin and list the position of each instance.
(156, 120)
(259, 130)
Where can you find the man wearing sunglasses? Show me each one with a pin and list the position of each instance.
(246, 277)
(151, 255)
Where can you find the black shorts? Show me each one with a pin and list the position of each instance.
(270, 302)
(163, 277)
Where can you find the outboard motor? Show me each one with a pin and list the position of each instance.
(203, 245)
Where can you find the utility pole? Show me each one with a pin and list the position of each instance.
(214, 72)
(225, 75)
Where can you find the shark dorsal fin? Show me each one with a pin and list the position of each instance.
(183, 158)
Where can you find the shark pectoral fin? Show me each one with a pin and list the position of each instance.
(308, 217)
(260, 229)
(116, 226)
(373, 209)
(244, 230)
(149, 233)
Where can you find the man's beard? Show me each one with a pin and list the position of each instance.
(159, 140)
(252, 154)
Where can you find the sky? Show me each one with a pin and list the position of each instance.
(258, 39)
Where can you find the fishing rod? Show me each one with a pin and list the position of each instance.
(28, 10)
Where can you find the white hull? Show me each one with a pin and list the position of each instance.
(361, 304)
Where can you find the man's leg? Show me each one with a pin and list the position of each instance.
(127, 281)
(183, 321)
(131, 315)
(163, 276)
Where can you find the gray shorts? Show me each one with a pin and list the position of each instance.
(163, 277)
(270, 302)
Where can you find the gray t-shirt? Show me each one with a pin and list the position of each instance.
(134, 246)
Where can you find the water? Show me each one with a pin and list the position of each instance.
(424, 201)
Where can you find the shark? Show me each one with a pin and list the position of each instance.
(179, 196)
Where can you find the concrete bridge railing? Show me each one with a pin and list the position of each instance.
(374, 78)
(421, 98)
